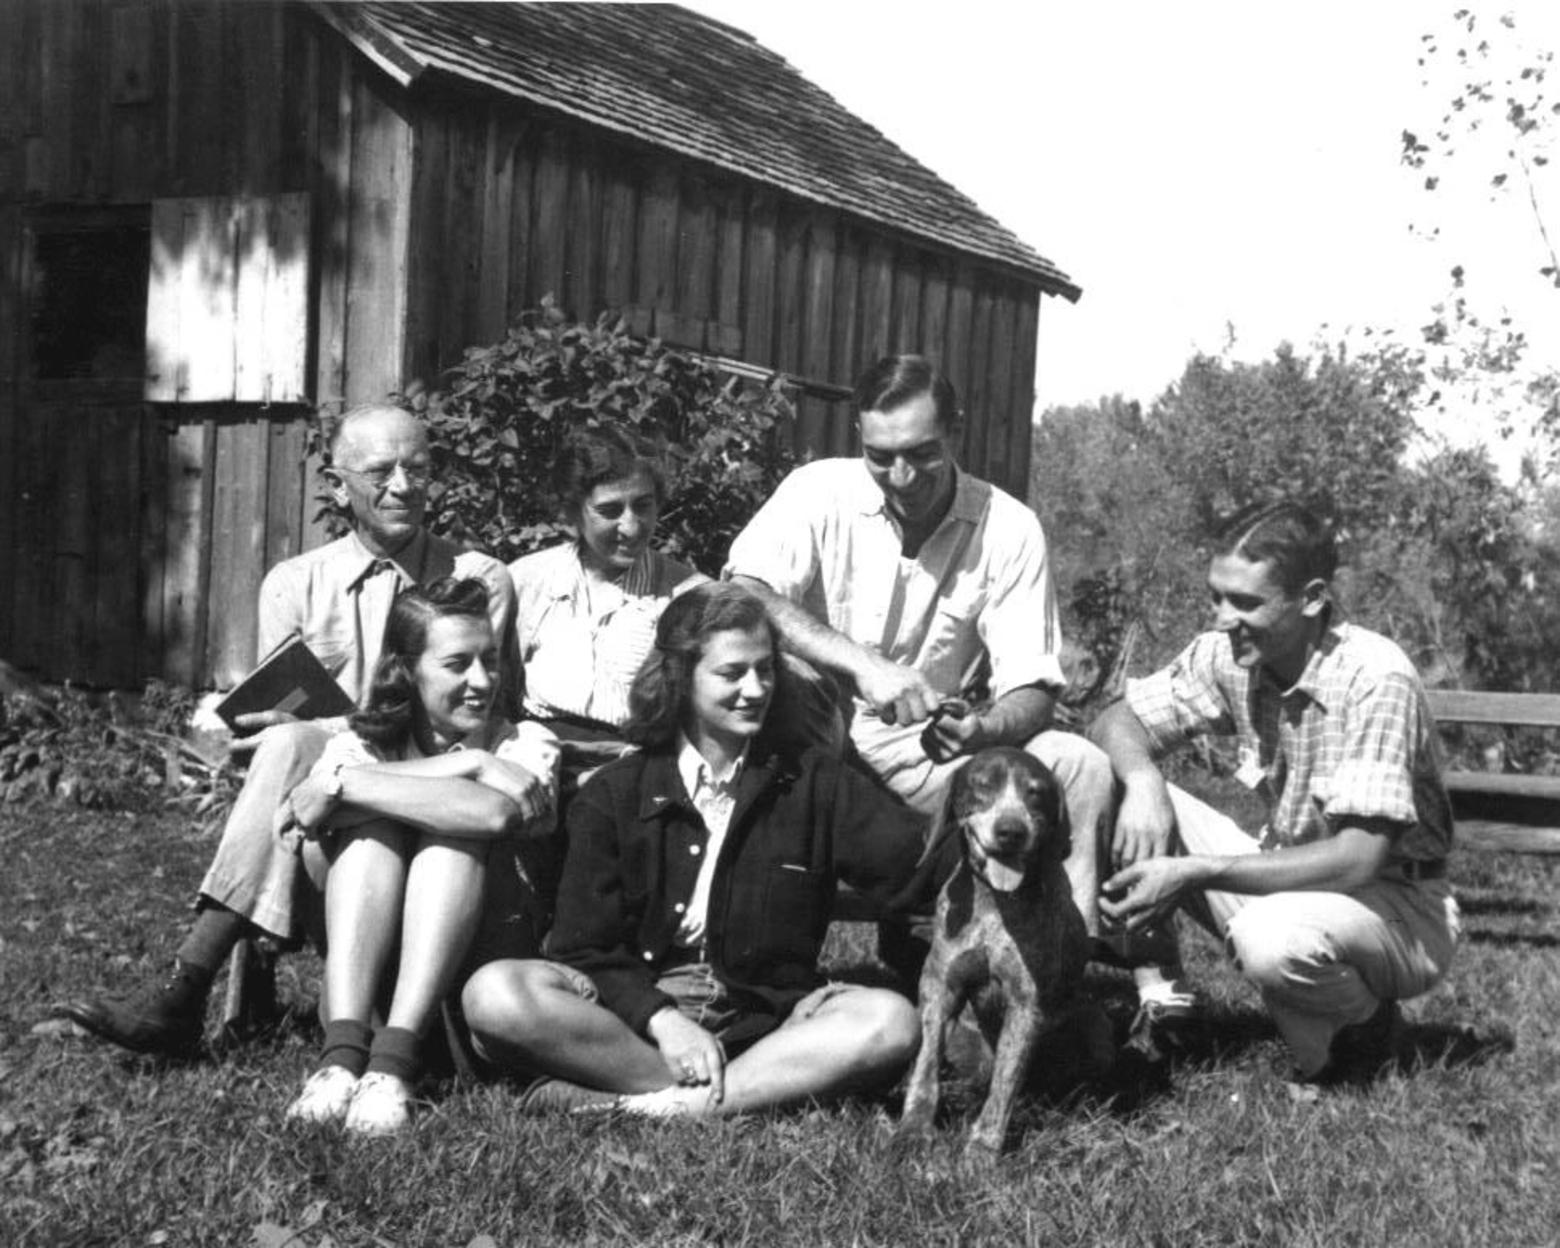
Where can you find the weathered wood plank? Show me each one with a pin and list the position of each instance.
(582, 230)
(550, 195)
(619, 229)
(459, 260)
(1020, 433)
(74, 444)
(693, 299)
(726, 333)
(655, 281)
(114, 563)
(845, 363)
(978, 413)
(498, 185)
(522, 291)
(201, 151)
(758, 315)
(191, 453)
(377, 257)
(298, 117)
(11, 240)
(876, 301)
(91, 159)
(906, 331)
(240, 490)
(426, 268)
(1474, 706)
(934, 310)
(271, 301)
(955, 359)
(31, 587)
(1515, 838)
(1503, 784)
(1003, 411)
(790, 292)
(130, 78)
(285, 487)
(153, 525)
(333, 165)
(812, 424)
(56, 52)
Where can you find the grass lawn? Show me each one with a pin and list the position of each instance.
(1460, 1144)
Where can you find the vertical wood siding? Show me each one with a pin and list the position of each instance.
(133, 536)
(510, 205)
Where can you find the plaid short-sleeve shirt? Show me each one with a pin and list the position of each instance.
(1352, 738)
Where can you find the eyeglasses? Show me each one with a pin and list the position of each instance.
(415, 475)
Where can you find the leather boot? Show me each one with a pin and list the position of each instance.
(167, 1019)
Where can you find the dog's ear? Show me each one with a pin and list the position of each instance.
(1055, 811)
(943, 824)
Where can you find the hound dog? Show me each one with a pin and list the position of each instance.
(1009, 940)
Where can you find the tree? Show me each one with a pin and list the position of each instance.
(1496, 129)
(1327, 431)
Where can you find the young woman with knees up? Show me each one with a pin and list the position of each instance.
(405, 812)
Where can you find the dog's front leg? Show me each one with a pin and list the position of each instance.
(1019, 1033)
(938, 1003)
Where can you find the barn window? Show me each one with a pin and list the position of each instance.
(87, 295)
(227, 307)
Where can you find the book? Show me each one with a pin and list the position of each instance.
(289, 679)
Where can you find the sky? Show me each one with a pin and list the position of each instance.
(1217, 176)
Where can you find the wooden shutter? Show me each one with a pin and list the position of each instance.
(227, 309)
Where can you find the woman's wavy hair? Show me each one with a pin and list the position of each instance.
(600, 456)
(1298, 542)
(659, 697)
(387, 716)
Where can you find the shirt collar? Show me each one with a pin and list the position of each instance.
(967, 505)
(1313, 682)
(569, 575)
(409, 562)
(696, 772)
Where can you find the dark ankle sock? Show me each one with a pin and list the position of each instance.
(346, 1044)
(396, 1051)
(217, 929)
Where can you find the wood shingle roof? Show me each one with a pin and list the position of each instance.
(689, 84)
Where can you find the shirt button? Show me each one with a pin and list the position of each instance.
(678, 908)
(694, 850)
(648, 956)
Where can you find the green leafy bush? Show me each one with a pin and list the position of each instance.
(508, 407)
(107, 754)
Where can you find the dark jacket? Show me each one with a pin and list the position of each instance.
(799, 826)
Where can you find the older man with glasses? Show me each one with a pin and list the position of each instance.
(337, 599)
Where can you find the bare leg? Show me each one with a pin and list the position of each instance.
(363, 898)
(532, 1015)
(444, 888)
(853, 1038)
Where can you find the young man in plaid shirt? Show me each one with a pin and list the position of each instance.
(1340, 907)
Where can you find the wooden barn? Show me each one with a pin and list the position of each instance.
(214, 216)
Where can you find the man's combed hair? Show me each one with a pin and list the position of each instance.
(388, 713)
(1299, 543)
(659, 697)
(897, 379)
